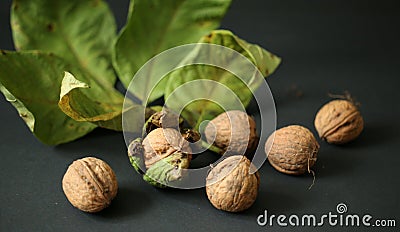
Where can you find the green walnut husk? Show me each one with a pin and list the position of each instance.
(135, 154)
(167, 170)
(171, 167)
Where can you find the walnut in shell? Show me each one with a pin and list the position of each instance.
(230, 186)
(339, 121)
(233, 131)
(294, 150)
(163, 142)
(90, 184)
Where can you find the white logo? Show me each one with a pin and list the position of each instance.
(341, 208)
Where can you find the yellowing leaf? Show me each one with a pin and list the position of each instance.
(24, 113)
(76, 104)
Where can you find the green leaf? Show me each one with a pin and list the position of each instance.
(31, 82)
(157, 25)
(237, 91)
(75, 103)
(81, 32)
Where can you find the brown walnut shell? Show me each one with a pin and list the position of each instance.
(339, 122)
(230, 186)
(163, 142)
(294, 150)
(241, 138)
(90, 184)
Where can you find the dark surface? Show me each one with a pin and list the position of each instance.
(326, 46)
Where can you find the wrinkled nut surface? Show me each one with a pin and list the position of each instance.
(163, 142)
(294, 150)
(339, 122)
(230, 186)
(90, 184)
(241, 138)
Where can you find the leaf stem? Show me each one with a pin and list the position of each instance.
(211, 147)
(199, 121)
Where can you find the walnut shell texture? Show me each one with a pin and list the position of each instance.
(90, 184)
(241, 138)
(230, 186)
(161, 143)
(339, 122)
(294, 150)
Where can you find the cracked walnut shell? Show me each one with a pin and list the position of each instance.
(230, 186)
(294, 150)
(339, 122)
(90, 184)
(163, 142)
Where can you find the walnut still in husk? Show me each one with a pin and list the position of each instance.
(339, 122)
(294, 150)
(90, 184)
(230, 186)
(233, 131)
(163, 142)
(161, 157)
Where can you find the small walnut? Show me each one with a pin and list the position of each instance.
(338, 122)
(241, 138)
(294, 150)
(230, 186)
(90, 184)
(163, 142)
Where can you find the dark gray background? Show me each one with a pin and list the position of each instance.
(326, 46)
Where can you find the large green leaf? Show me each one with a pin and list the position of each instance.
(156, 25)
(220, 85)
(31, 81)
(81, 32)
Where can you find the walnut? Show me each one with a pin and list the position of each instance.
(339, 121)
(294, 150)
(241, 138)
(162, 157)
(90, 184)
(230, 186)
(163, 142)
